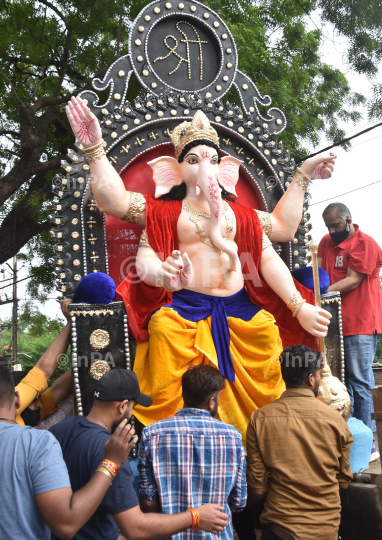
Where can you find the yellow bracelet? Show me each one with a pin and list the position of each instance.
(101, 465)
(105, 471)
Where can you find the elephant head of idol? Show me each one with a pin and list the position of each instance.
(198, 142)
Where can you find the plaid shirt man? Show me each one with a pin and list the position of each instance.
(193, 459)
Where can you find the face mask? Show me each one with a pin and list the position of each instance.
(340, 236)
(31, 418)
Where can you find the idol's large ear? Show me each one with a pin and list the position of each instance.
(166, 173)
(229, 173)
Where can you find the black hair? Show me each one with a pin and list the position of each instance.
(192, 144)
(199, 383)
(178, 193)
(297, 363)
(7, 389)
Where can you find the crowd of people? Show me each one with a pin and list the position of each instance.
(71, 477)
(75, 481)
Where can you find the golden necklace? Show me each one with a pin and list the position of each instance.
(195, 218)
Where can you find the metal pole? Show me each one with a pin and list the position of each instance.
(316, 280)
(14, 338)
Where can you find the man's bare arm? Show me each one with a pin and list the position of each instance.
(62, 387)
(49, 361)
(286, 217)
(254, 496)
(149, 506)
(134, 523)
(351, 282)
(64, 512)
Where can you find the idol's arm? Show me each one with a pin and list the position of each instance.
(109, 191)
(313, 319)
(286, 217)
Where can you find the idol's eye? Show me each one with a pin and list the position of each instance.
(192, 160)
(214, 160)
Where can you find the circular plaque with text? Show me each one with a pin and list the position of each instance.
(183, 46)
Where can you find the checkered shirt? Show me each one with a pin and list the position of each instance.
(193, 459)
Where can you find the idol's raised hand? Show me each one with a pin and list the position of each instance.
(84, 124)
(176, 272)
(319, 167)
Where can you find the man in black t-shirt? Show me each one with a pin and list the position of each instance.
(82, 441)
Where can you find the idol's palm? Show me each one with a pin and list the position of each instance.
(84, 124)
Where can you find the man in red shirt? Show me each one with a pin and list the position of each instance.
(353, 261)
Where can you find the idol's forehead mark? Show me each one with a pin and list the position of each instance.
(199, 152)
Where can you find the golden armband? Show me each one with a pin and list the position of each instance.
(137, 206)
(265, 222)
(266, 242)
(295, 303)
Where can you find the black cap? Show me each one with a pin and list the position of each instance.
(119, 384)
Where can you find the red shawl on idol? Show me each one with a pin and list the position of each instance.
(161, 229)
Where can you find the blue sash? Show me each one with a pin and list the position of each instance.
(194, 307)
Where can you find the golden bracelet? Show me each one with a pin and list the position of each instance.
(295, 303)
(94, 146)
(105, 471)
(302, 179)
(95, 152)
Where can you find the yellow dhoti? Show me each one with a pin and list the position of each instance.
(176, 343)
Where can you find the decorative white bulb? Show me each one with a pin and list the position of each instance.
(197, 190)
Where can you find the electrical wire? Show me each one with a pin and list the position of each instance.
(340, 142)
(18, 281)
(347, 193)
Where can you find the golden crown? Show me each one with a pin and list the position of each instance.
(198, 129)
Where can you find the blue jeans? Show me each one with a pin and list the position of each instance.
(359, 377)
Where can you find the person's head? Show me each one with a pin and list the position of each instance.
(301, 367)
(202, 387)
(115, 396)
(9, 399)
(31, 414)
(337, 218)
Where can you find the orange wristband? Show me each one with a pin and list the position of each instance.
(195, 518)
(110, 466)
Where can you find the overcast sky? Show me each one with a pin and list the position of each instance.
(354, 169)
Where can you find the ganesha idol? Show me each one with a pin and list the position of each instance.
(212, 289)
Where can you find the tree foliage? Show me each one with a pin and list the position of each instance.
(36, 332)
(50, 50)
